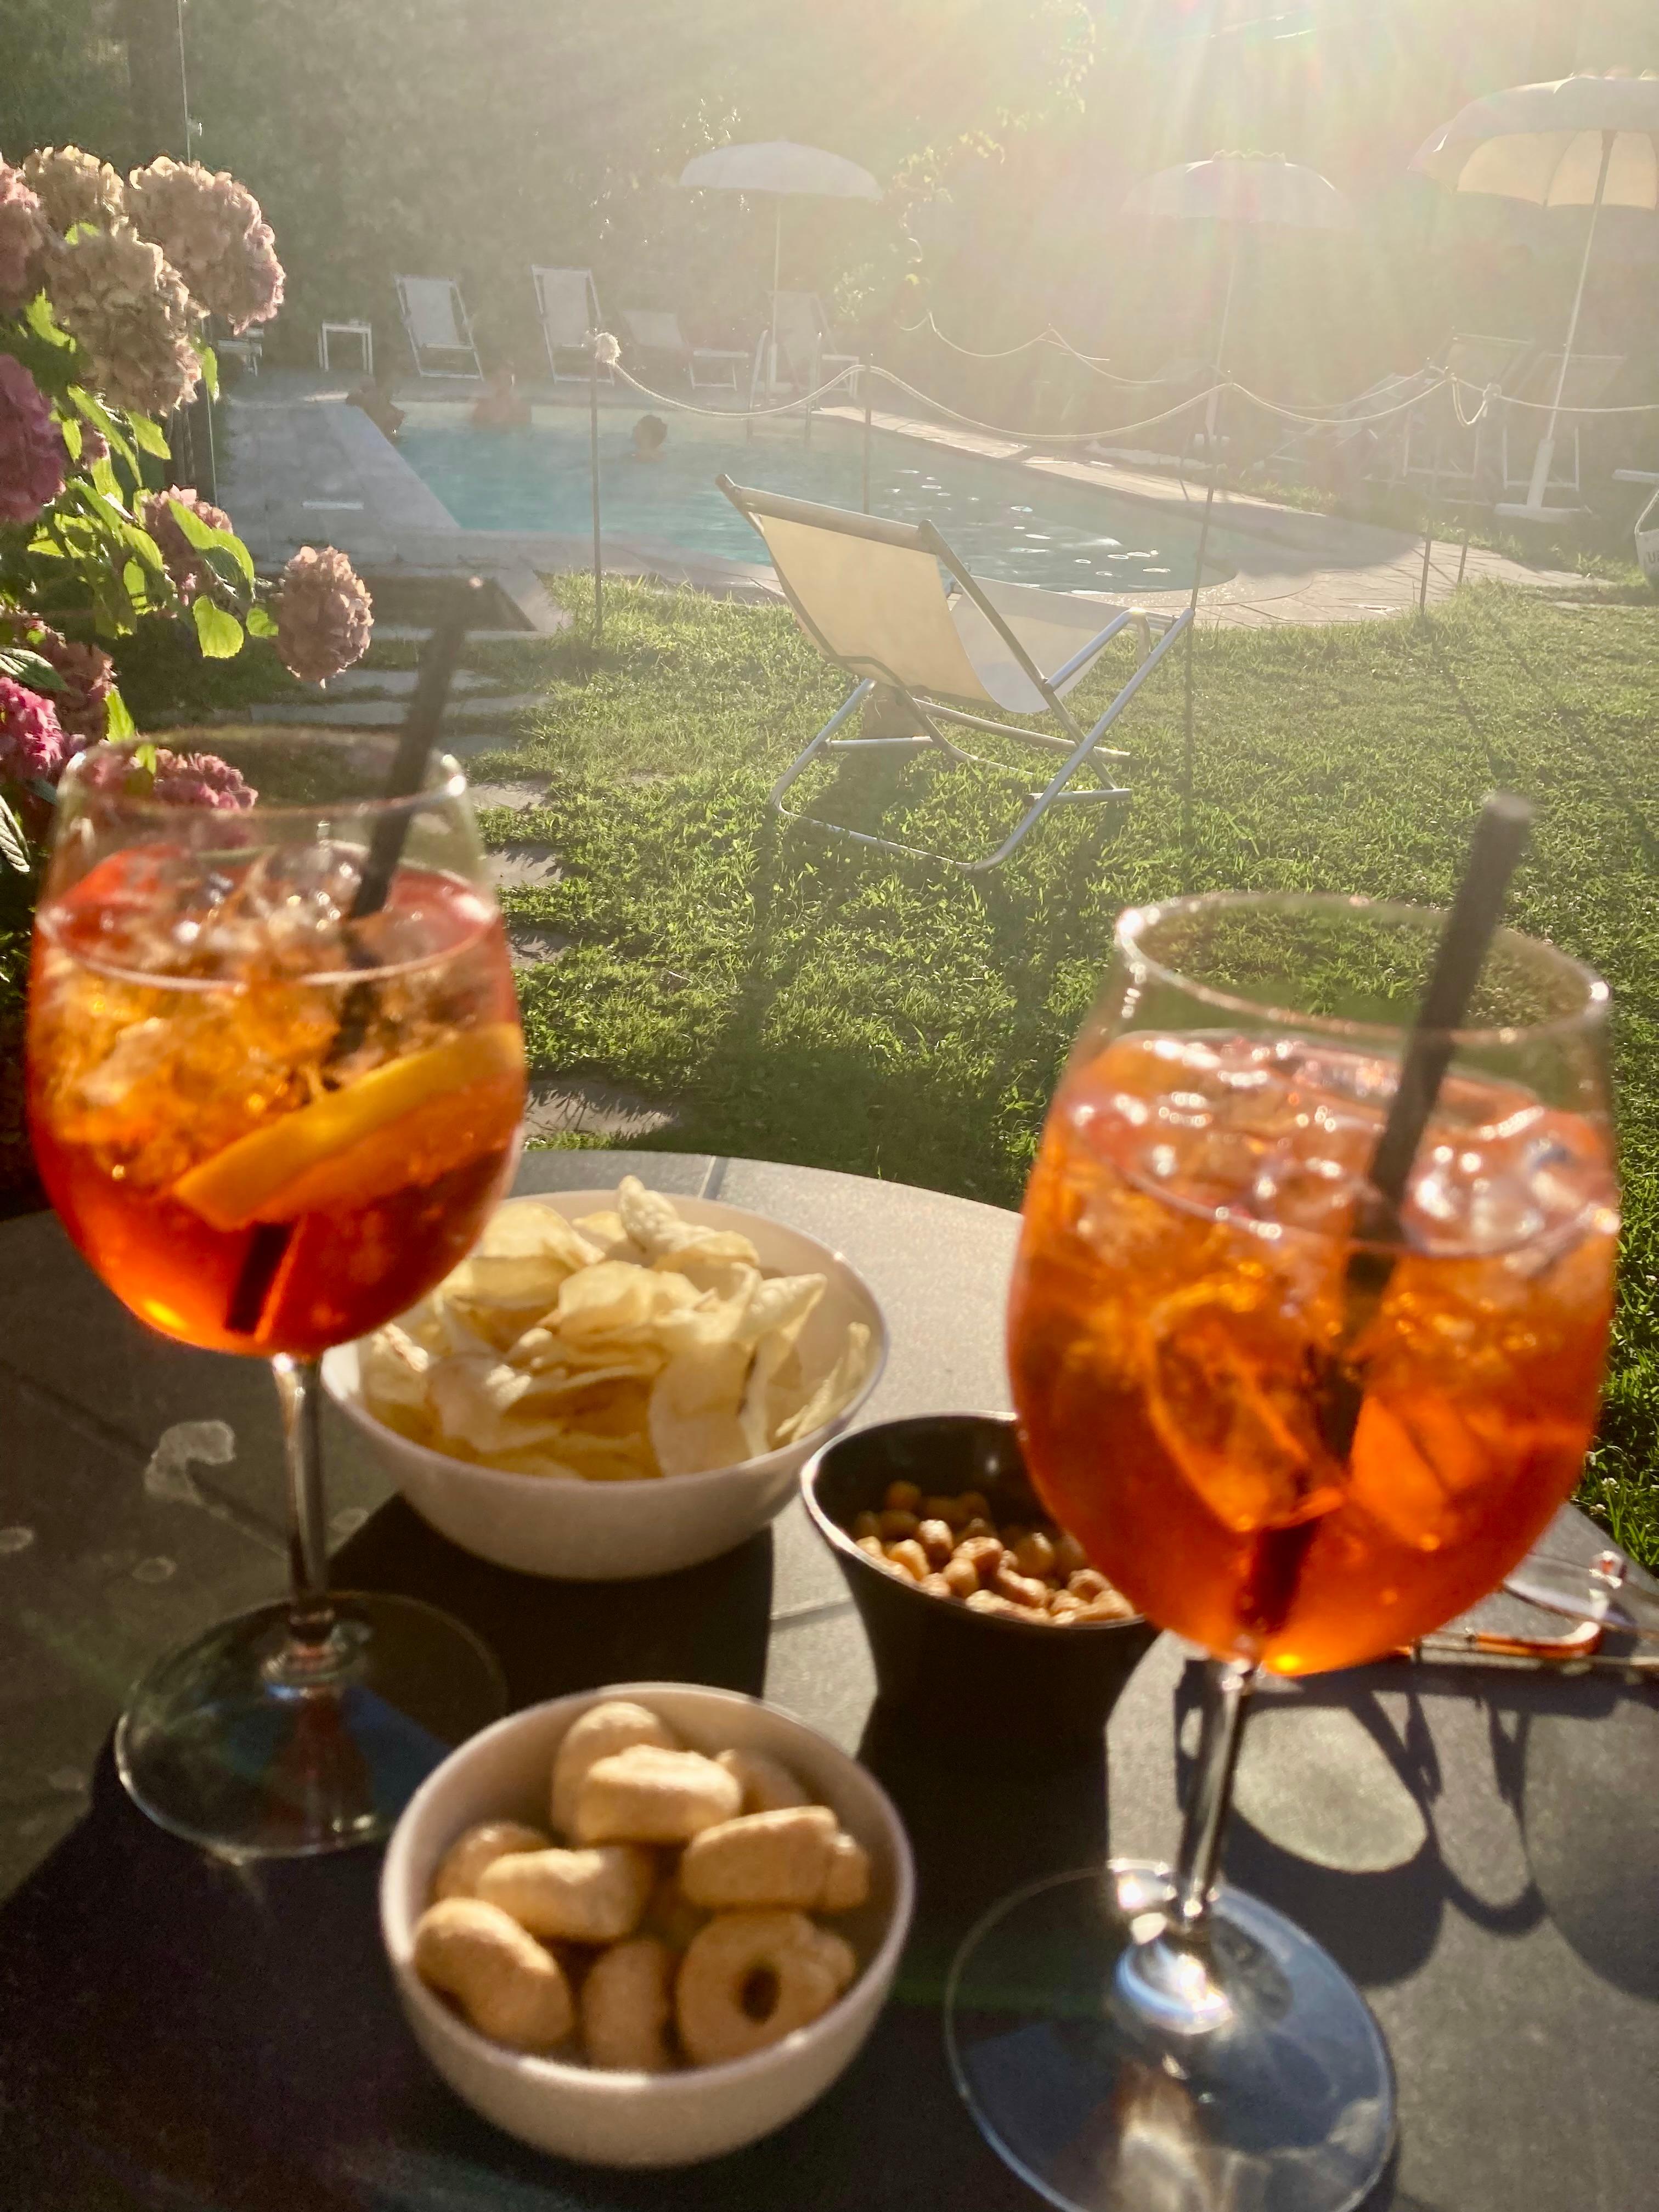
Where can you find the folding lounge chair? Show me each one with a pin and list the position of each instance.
(806, 343)
(657, 330)
(869, 594)
(436, 320)
(568, 306)
(1439, 446)
(1590, 376)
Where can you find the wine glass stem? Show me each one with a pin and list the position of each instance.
(311, 1617)
(1209, 1799)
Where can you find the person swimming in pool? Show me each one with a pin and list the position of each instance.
(501, 408)
(650, 437)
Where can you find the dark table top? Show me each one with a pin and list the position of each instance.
(1479, 1848)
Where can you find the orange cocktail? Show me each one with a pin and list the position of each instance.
(267, 1130)
(1179, 1312)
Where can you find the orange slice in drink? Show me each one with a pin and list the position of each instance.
(403, 1122)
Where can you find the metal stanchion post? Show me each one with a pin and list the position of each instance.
(594, 472)
(865, 378)
(1428, 530)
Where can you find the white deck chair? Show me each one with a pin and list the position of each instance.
(1590, 376)
(657, 330)
(869, 594)
(568, 306)
(436, 320)
(806, 343)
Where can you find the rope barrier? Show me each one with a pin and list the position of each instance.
(736, 414)
(1543, 406)
(1042, 437)
(1094, 362)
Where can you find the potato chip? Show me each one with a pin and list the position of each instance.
(526, 1231)
(620, 1347)
(694, 1423)
(839, 1384)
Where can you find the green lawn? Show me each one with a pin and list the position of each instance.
(801, 1001)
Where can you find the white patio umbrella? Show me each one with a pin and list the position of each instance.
(778, 169)
(1582, 141)
(1237, 189)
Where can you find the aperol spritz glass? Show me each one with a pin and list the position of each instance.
(1297, 1441)
(275, 1084)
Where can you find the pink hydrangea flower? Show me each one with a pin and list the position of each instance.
(179, 780)
(23, 239)
(31, 745)
(324, 614)
(201, 780)
(211, 229)
(33, 455)
(190, 572)
(127, 309)
(88, 673)
(74, 187)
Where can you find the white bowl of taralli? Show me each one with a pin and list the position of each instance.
(614, 2117)
(604, 1530)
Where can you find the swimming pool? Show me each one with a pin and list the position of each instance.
(1006, 522)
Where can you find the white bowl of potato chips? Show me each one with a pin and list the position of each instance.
(615, 1383)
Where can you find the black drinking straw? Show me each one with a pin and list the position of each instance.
(1465, 941)
(271, 1239)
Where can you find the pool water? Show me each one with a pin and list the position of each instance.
(1005, 521)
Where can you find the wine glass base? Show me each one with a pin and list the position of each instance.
(1061, 2024)
(254, 1747)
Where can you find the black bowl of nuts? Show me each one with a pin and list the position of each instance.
(984, 1619)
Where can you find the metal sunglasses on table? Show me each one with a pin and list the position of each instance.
(1301, 1426)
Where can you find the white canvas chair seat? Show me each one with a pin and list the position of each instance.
(1590, 377)
(436, 320)
(657, 329)
(568, 304)
(871, 595)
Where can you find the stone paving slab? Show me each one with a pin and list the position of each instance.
(524, 867)
(536, 948)
(561, 1106)
(518, 796)
(496, 709)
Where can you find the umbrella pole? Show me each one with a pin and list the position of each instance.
(777, 261)
(1541, 467)
(1212, 423)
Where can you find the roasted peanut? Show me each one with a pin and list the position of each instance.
(975, 1503)
(936, 1539)
(984, 1601)
(1019, 1589)
(1087, 1582)
(983, 1553)
(976, 1526)
(1114, 1606)
(509, 1988)
(910, 1556)
(960, 1578)
(472, 1852)
(895, 1524)
(1069, 1555)
(901, 1497)
(936, 1586)
(948, 1510)
(866, 1524)
(1034, 1555)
